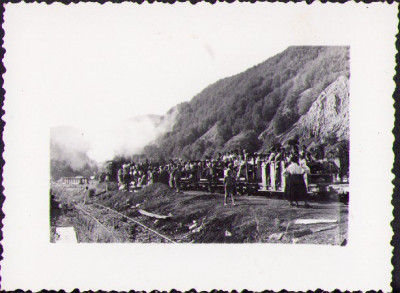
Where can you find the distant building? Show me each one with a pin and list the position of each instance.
(75, 180)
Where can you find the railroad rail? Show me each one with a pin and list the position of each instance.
(136, 222)
(94, 218)
(89, 213)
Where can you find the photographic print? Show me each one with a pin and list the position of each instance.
(259, 156)
(226, 146)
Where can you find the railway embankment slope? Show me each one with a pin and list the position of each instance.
(197, 217)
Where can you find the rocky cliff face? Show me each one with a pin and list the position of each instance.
(328, 117)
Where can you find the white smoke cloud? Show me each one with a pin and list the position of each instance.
(70, 145)
(103, 141)
(123, 138)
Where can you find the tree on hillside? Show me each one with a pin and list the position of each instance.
(266, 99)
(224, 130)
(331, 139)
(293, 141)
(247, 140)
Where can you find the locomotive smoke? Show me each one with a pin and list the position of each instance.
(69, 145)
(101, 142)
(123, 138)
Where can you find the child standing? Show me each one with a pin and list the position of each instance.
(229, 183)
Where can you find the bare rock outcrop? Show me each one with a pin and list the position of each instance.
(327, 118)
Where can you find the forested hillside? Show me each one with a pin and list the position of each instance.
(260, 106)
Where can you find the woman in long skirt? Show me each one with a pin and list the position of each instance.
(295, 188)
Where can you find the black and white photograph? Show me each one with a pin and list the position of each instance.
(233, 145)
(259, 156)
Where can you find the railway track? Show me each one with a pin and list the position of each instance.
(92, 210)
(105, 226)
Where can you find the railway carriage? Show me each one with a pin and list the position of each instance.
(256, 180)
(257, 177)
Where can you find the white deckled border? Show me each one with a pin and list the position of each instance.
(32, 263)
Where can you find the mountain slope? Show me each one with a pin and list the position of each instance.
(262, 104)
(328, 117)
(327, 120)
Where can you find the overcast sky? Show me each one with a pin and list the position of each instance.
(97, 63)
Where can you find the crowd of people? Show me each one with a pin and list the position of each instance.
(283, 169)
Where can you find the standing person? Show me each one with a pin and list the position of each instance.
(229, 184)
(240, 165)
(120, 176)
(264, 167)
(279, 164)
(192, 173)
(211, 177)
(85, 194)
(156, 175)
(150, 176)
(126, 177)
(272, 171)
(241, 172)
(143, 179)
(177, 178)
(296, 189)
(163, 175)
(171, 176)
(139, 178)
(303, 164)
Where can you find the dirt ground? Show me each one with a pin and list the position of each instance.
(198, 217)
